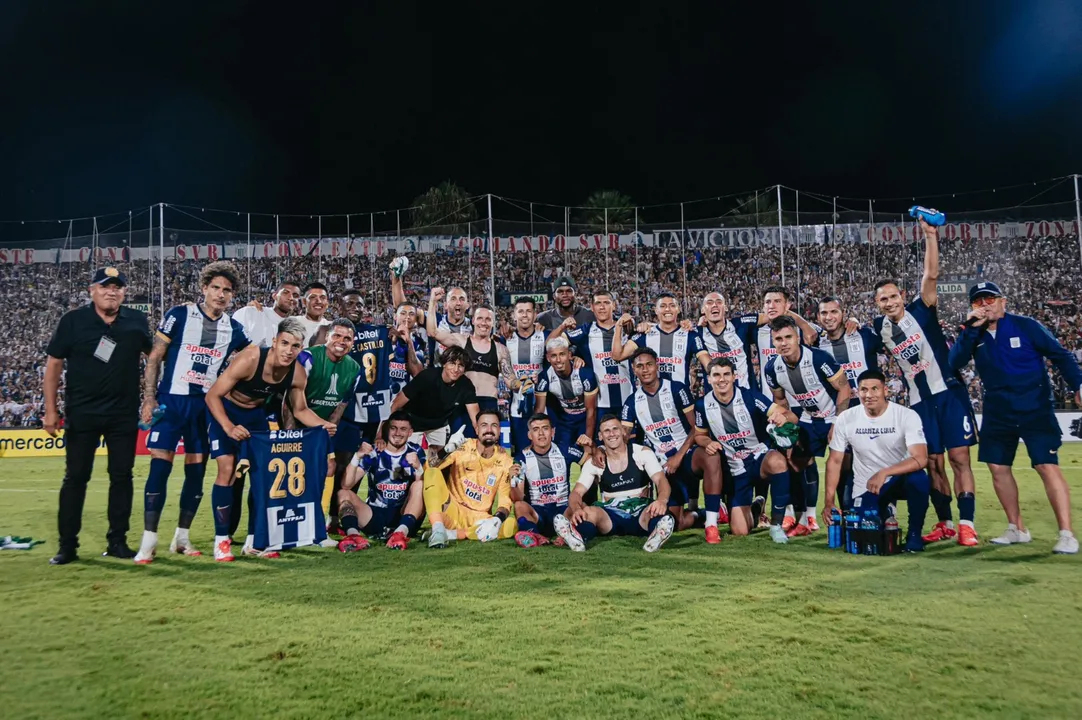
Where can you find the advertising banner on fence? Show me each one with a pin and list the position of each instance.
(35, 442)
(180, 245)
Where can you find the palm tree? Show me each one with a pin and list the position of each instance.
(621, 212)
(442, 209)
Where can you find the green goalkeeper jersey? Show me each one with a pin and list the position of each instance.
(329, 383)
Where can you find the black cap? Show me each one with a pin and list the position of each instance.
(108, 274)
(984, 289)
(563, 281)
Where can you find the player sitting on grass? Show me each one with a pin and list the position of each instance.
(460, 505)
(627, 476)
(541, 483)
(394, 498)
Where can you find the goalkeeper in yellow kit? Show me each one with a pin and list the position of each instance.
(460, 505)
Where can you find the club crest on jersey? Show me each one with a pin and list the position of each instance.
(491, 482)
(742, 416)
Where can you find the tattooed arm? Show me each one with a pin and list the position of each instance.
(506, 371)
(150, 377)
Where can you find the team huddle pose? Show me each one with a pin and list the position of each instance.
(733, 408)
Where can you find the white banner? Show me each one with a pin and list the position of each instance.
(689, 239)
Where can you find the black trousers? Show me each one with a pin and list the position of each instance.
(81, 439)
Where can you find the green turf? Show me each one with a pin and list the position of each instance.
(747, 629)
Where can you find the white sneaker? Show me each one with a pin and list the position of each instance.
(1012, 536)
(777, 534)
(567, 531)
(328, 543)
(183, 546)
(662, 532)
(148, 548)
(1067, 543)
(249, 551)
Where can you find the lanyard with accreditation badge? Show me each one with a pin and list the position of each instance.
(106, 346)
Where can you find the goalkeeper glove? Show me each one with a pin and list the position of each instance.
(400, 265)
(488, 529)
(455, 441)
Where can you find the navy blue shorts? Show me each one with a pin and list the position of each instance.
(948, 420)
(383, 522)
(744, 483)
(682, 480)
(349, 436)
(813, 439)
(565, 434)
(251, 419)
(185, 418)
(625, 523)
(520, 429)
(1000, 436)
(545, 515)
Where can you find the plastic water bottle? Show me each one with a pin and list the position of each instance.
(891, 535)
(834, 534)
(852, 525)
(154, 417)
(871, 526)
(929, 215)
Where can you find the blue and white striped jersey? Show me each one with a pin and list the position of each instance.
(527, 358)
(855, 353)
(676, 351)
(593, 344)
(389, 475)
(920, 349)
(566, 401)
(548, 475)
(808, 382)
(198, 347)
(739, 425)
(660, 416)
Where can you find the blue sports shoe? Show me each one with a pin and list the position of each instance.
(929, 215)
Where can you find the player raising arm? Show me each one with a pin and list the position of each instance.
(235, 402)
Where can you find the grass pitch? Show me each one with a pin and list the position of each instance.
(747, 629)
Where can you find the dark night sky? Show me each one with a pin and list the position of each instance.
(333, 107)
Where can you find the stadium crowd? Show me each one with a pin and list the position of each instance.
(1040, 277)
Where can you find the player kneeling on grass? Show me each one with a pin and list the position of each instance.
(541, 483)
(626, 477)
(394, 490)
(733, 420)
(478, 477)
(889, 456)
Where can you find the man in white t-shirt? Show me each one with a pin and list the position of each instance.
(889, 456)
(261, 322)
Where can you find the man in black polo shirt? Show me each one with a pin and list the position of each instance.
(102, 343)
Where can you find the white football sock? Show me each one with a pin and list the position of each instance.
(711, 518)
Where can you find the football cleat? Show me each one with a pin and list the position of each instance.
(967, 536)
(662, 532)
(788, 523)
(223, 551)
(148, 548)
(798, 530)
(183, 547)
(939, 532)
(1011, 536)
(437, 538)
(813, 526)
(777, 534)
(558, 542)
(1067, 544)
(723, 516)
(764, 522)
(398, 541)
(713, 535)
(568, 533)
(353, 543)
(249, 551)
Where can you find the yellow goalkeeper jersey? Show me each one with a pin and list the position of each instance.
(477, 482)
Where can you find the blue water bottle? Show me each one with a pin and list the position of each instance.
(852, 525)
(872, 527)
(154, 417)
(834, 533)
(929, 215)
